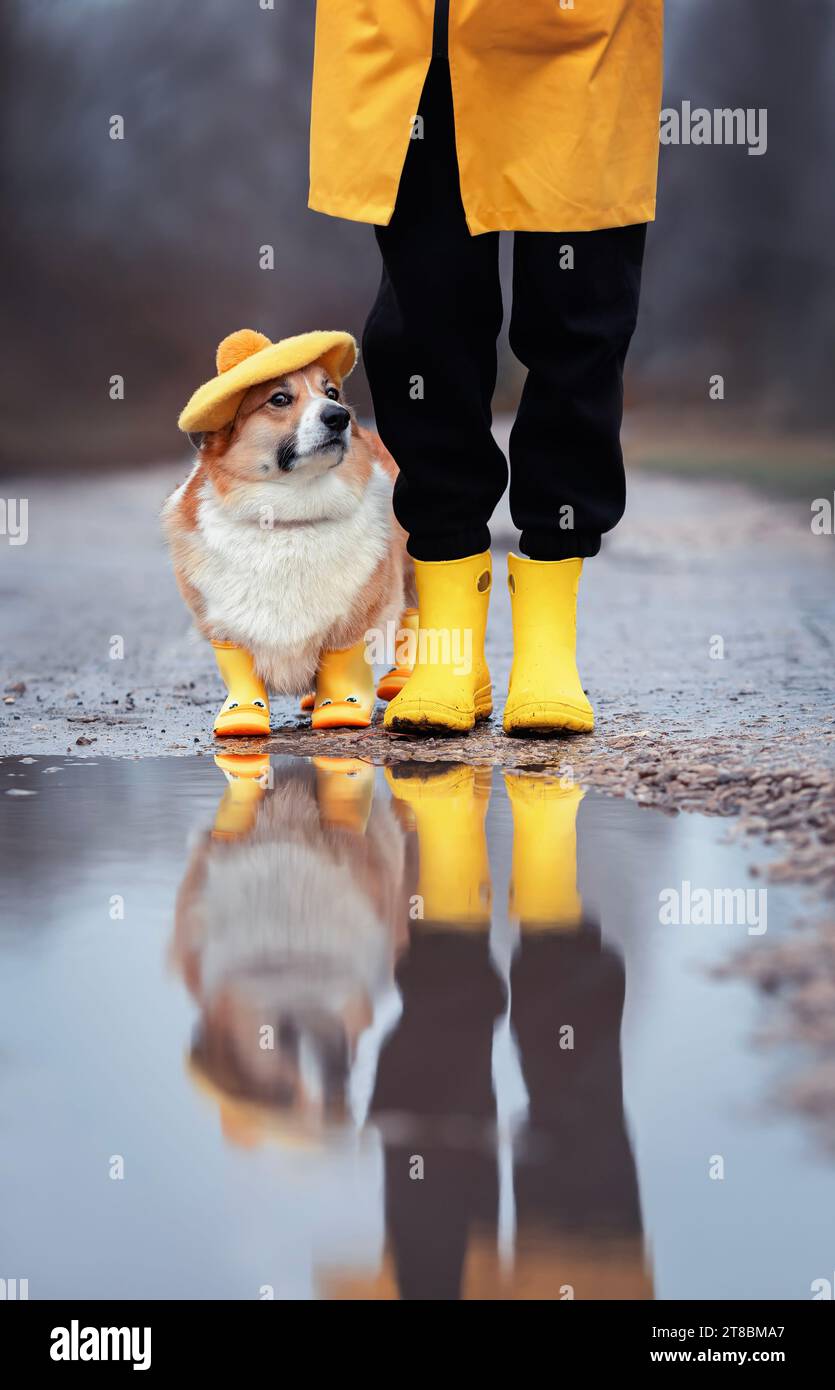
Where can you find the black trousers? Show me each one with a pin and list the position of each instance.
(429, 348)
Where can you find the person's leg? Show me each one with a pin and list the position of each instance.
(575, 303)
(429, 347)
(430, 353)
(572, 320)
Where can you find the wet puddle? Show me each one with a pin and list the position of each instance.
(317, 1029)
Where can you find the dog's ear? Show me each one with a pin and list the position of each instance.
(213, 443)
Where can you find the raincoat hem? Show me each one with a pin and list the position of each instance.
(378, 215)
(480, 221)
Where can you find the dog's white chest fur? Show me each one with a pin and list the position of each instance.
(280, 590)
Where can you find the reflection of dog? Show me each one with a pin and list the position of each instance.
(284, 543)
(287, 928)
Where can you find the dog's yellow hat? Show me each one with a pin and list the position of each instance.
(247, 358)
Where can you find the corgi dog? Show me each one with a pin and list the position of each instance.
(286, 550)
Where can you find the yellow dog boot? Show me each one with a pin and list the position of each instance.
(543, 880)
(545, 694)
(448, 809)
(247, 778)
(404, 655)
(246, 711)
(344, 696)
(450, 687)
(405, 649)
(344, 792)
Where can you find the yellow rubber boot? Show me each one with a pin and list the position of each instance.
(246, 711)
(405, 649)
(246, 777)
(545, 693)
(344, 792)
(450, 687)
(344, 690)
(543, 883)
(448, 808)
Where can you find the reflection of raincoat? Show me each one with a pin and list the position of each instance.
(556, 108)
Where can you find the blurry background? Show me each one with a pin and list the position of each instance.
(136, 256)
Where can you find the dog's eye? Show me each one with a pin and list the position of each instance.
(332, 393)
(280, 398)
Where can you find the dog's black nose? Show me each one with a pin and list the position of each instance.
(335, 417)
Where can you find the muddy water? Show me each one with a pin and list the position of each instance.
(326, 1030)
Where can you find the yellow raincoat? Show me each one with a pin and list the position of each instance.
(556, 108)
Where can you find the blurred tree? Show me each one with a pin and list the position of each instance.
(136, 256)
(740, 268)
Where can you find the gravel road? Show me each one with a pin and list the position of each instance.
(750, 733)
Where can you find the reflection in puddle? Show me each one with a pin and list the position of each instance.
(338, 947)
(385, 1058)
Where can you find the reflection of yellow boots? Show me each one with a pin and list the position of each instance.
(450, 687)
(246, 776)
(344, 792)
(405, 649)
(543, 885)
(545, 693)
(550, 1265)
(344, 690)
(246, 710)
(449, 808)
